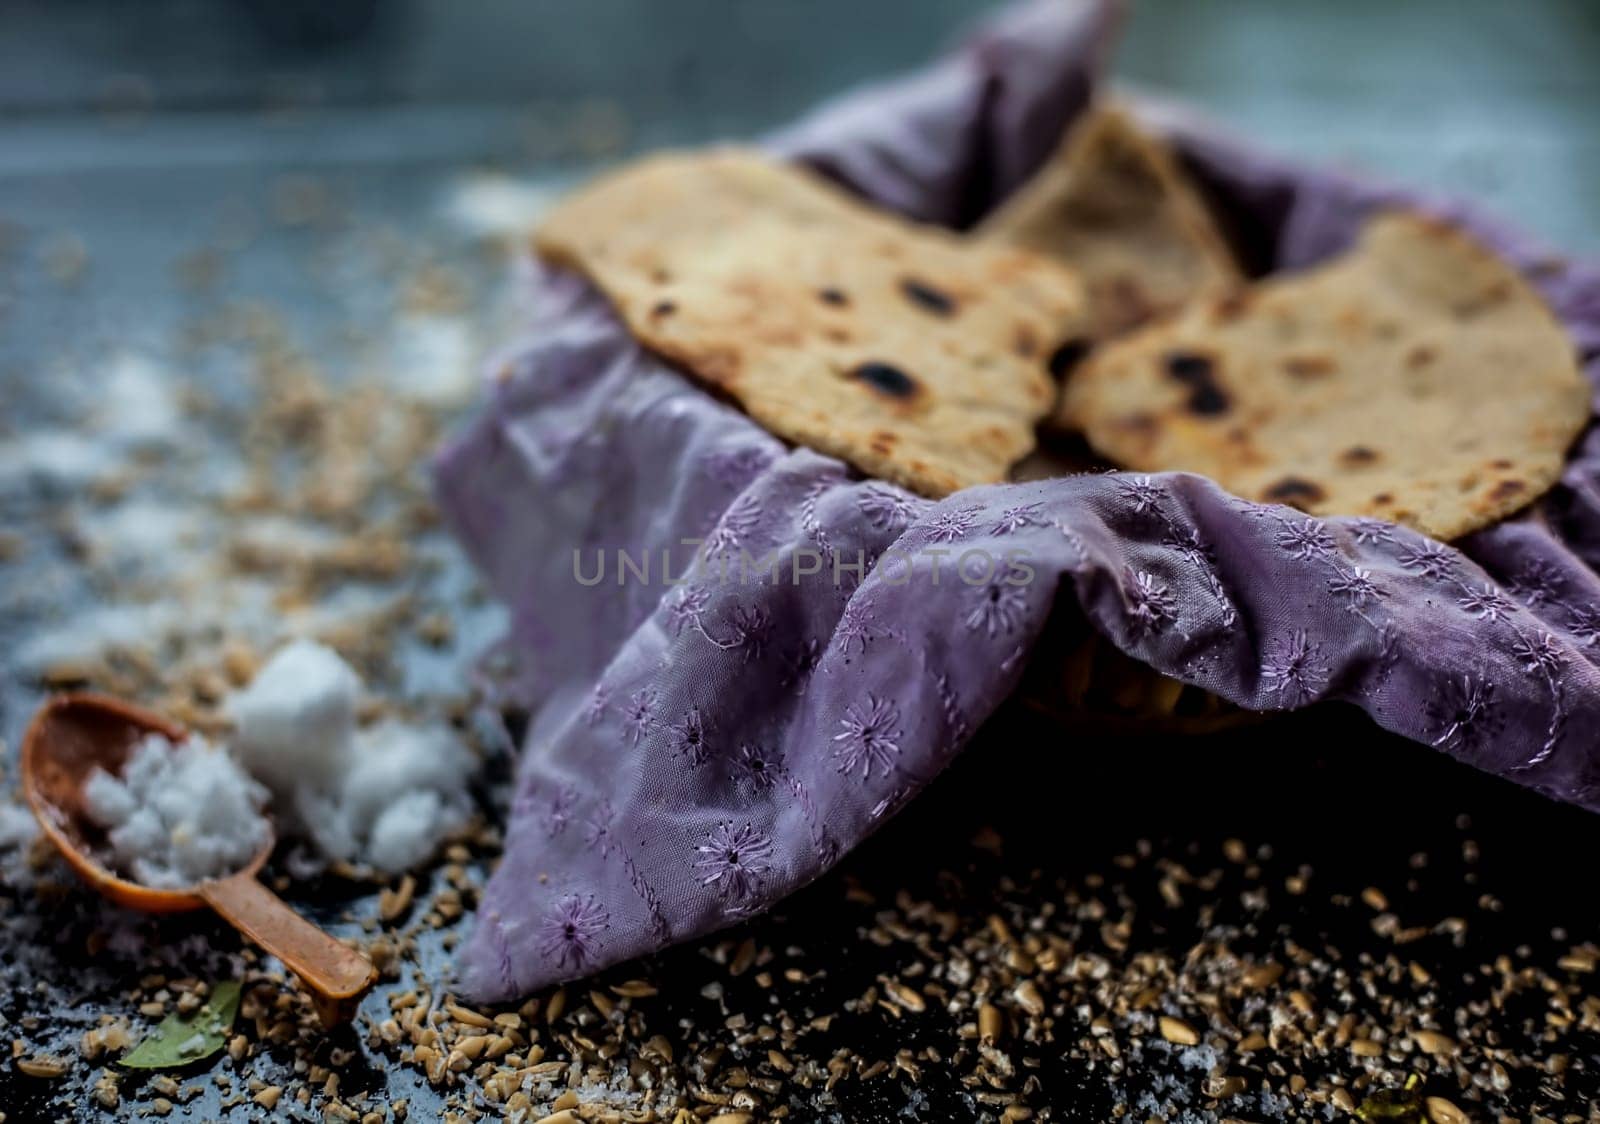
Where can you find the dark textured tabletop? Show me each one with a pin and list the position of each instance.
(270, 204)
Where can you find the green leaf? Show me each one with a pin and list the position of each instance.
(1403, 1106)
(180, 1041)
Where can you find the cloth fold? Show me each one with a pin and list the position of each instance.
(709, 739)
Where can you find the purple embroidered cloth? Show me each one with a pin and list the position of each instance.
(702, 748)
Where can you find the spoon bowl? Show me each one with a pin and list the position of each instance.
(74, 734)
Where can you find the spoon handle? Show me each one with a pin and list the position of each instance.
(336, 975)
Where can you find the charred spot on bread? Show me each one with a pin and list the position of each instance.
(1295, 491)
(1309, 366)
(928, 298)
(1067, 356)
(886, 379)
(1197, 371)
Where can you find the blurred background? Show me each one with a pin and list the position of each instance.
(138, 137)
(1493, 99)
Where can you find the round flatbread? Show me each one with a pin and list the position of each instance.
(914, 354)
(1116, 205)
(1418, 378)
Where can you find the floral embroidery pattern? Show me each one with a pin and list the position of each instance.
(952, 524)
(1583, 621)
(870, 739)
(1016, 518)
(1151, 605)
(752, 624)
(1141, 492)
(998, 606)
(734, 528)
(1291, 669)
(1371, 532)
(689, 739)
(1305, 539)
(1540, 652)
(1464, 715)
(1308, 540)
(1484, 602)
(733, 859)
(1199, 556)
(639, 715)
(597, 833)
(855, 629)
(685, 606)
(1427, 558)
(887, 509)
(570, 932)
(1354, 586)
(559, 813)
(750, 628)
(1539, 582)
(758, 766)
(1144, 496)
(879, 745)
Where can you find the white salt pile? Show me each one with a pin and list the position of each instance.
(386, 796)
(404, 793)
(293, 723)
(93, 633)
(18, 829)
(134, 407)
(137, 402)
(17, 825)
(491, 205)
(54, 458)
(432, 359)
(178, 814)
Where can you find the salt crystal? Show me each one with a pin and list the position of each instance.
(294, 722)
(179, 813)
(386, 796)
(17, 826)
(55, 458)
(432, 359)
(92, 633)
(137, 405)
(497, 206)
(406, 832)
(393, 759)
(139, 536)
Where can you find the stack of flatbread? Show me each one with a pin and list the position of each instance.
(1417, 378)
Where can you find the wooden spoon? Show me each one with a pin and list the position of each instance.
(67, 739)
